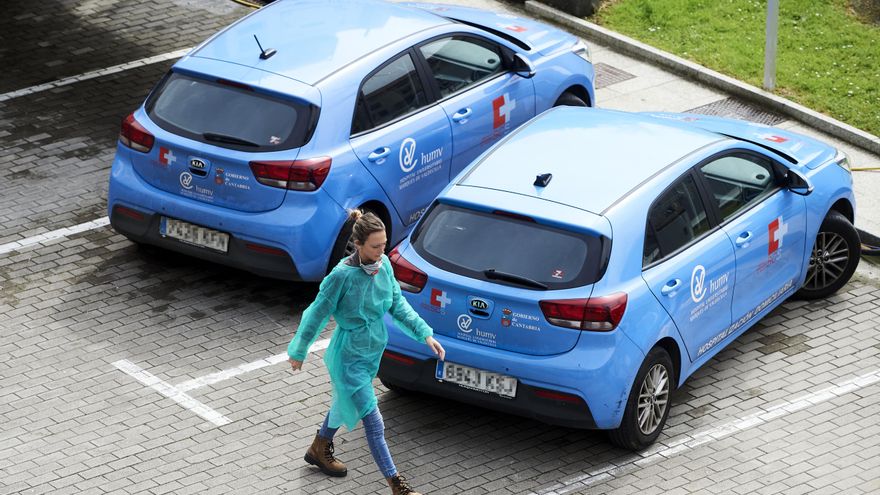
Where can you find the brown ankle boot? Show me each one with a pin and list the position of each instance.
(321, 454)
(399, 486)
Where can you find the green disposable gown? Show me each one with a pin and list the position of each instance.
(358, 302)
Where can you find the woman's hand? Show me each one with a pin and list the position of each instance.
(436, 347)
(296, 365)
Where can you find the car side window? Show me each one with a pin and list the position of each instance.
(458, 62)
(738, 181)
(392, 92)
(675, 219)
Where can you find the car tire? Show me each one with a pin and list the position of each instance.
(648, 404)
(833, 258)
(570, 100)
(392, 387)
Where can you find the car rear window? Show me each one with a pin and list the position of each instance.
(469, 242)
(228, 115)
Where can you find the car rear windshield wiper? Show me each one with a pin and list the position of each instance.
(223, 138)
(496, 275)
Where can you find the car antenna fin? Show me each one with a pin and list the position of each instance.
(542, 180)
(264, 54)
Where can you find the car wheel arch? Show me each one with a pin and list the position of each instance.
(671, 347)
(379, 209)
(578, 91)
(844, 207)
(339, 246)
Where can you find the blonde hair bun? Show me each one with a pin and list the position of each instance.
(355, 214)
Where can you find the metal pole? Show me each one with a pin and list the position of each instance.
(770, 44)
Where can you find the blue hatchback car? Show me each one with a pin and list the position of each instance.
(252, 147)
(589, 263)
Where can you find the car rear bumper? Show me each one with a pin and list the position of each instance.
(420, 376)
(600, 370)
(304, 227)
(238, 255)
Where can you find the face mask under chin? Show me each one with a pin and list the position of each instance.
(372, 268)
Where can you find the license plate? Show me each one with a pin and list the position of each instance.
(476, 379)
(193, 234)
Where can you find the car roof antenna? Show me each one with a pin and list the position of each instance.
(264, 54)
(542, 180)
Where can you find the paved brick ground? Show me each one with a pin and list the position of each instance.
(71, 422)
(51, 39)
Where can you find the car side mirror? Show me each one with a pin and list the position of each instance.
(797, 183)
(522, 66)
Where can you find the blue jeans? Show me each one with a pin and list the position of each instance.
(375, 432)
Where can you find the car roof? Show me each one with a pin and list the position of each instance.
(315, 38)
(596, 156)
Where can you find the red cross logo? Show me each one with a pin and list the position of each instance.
(502, 107)
(777, 230)
(439, 298)
(166, 156)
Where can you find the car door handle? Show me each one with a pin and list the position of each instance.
(744, 239)
(462, 115)
(379, 154)
(671, 287)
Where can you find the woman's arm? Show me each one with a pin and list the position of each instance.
(410, 322)
(405, 317)
(315, 317)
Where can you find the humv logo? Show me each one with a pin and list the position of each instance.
(430, 157)
(407, 156)
(698, 283)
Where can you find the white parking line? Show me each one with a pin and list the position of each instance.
(95, 73)
(178, 393)
(171, 392)
(244, 368)
(55, 234)
(684, 442)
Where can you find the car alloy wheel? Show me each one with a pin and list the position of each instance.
(653, 399)
(828, 261)
(647, 406)
(834, 257)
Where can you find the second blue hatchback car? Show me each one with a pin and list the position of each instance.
(588, 264)
(252, 147)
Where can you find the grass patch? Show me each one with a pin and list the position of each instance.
(827, 59)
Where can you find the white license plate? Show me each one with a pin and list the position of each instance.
(193, 234)
(476, 379)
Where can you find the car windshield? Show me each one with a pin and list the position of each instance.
(507, 249)
(228, 115)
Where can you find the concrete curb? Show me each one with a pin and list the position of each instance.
(709, 77)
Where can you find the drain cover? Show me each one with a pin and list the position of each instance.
(607, 75)
(738, 109)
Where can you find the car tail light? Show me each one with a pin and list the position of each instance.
(411, 279)
(558, 396)
(400, 358)
(600, 314)
(135, 136)
(296, 175)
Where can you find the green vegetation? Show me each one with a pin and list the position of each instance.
(827, 59)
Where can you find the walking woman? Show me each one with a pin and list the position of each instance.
(357, 293)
